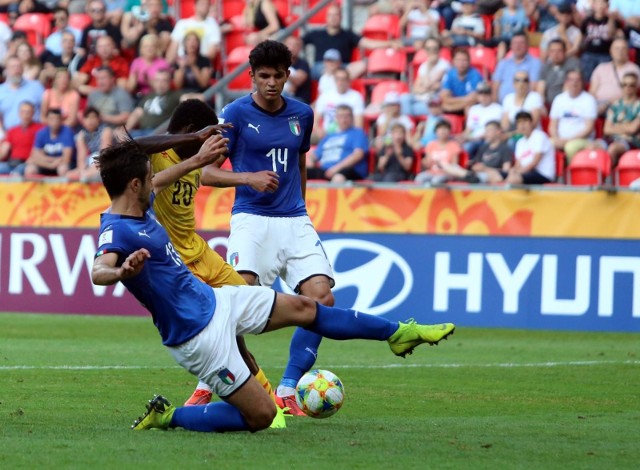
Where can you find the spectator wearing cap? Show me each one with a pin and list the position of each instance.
(106, 56)
(520, 60)
(340, 156)
(573, 115)
(565, 30)
(467, 28)
(522, 99)
(327, 103)
(428, 81)
(554, 70)
(14, 91)
(606, 79)
(333, 36)
(599, 29)
(299, 82)
(460, 83)
(426, 130)
(477, 117)
(390, 115)
(331, 61)
(112, 101)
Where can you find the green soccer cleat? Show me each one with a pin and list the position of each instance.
(158, 415)
(411, 334)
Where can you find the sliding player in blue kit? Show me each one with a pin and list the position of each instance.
(198, 323)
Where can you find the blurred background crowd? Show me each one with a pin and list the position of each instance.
(423, 91)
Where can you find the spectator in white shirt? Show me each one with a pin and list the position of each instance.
(477, 118)
(573, 116)
(205, 26)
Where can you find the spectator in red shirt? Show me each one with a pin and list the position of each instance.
(106, 54)
(16, 147)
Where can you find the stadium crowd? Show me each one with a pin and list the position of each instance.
(429, 91)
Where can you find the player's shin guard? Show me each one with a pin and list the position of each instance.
(303, 353)
(214, 417)
(338, 323)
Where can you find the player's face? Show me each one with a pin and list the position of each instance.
(269, 84)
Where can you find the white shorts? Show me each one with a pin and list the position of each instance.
(269, 247)
(212, 355)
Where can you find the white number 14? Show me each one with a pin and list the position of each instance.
(278, 156)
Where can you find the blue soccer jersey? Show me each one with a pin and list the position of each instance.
(260, 140)
(180, 304)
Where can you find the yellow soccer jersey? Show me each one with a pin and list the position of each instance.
(175, 208)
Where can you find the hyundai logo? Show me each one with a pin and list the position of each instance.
(375, 278)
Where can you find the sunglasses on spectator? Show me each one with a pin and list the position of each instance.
(522, 80)
(634, 85)
(97, 10)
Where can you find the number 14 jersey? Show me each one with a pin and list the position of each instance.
(261, 140)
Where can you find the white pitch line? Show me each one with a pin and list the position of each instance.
(353, 366)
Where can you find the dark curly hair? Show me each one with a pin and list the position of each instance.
(191, 116)
(119, 164)
(270, 54)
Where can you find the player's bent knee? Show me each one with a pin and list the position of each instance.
(261, 416)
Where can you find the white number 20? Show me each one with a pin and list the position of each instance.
(278, 155)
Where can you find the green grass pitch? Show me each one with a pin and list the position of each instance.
(70, 387)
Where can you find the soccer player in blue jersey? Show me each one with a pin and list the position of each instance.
(198, 323)
(271, 233)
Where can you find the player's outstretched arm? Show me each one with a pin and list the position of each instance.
(158, 143)
(262, 181)
(105, 272)
(212, 149)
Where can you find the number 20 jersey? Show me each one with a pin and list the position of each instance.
(260, 140)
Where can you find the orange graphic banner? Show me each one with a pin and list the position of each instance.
(454, 211)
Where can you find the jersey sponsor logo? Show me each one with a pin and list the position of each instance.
(226, 376)
(294, 126)
(144, 234)
(255, 128)
(381, 277)
(105, 237)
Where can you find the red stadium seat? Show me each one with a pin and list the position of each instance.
(383, 27)
(79, 21)
(320, 18)
(484, 59)
(231, 8)
(589, 168)
(237, 57)
(488, 26)
(187, 9)
(4, 18)
(456, 121)
(389, 62)
(561, 159)
(37, 26)
(378, 93)
(628, 169)
(236, 37)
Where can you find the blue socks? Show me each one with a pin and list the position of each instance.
(214, 417)
(334, 323)
(338, 323)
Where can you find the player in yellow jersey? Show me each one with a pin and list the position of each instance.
(175, 207)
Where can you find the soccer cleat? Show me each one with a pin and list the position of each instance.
(279, 422)
(199, 397)
(289, 406)
(158, 415)
(411, 334)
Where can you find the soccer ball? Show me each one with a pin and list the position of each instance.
(319, 393)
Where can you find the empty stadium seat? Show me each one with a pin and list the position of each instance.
(235, 58)
(382, 26)
(628, 169)
(391, 63)
(230, 8)
(589, 168)
(561, 159)
(79, 21)
(484, 59)
(378, 93)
